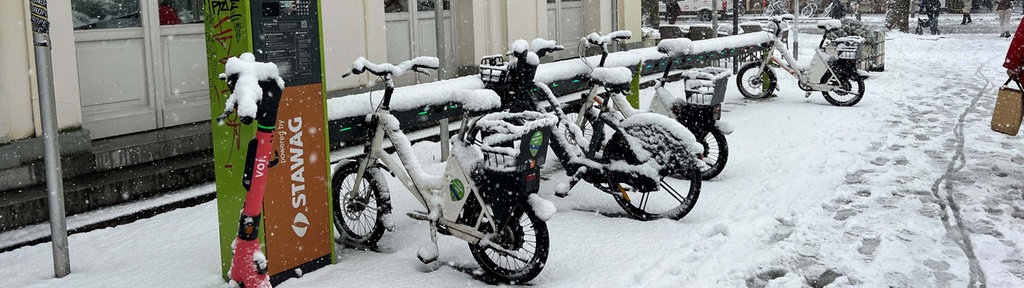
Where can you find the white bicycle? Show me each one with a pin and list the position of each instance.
(837, 78)
(486, 195)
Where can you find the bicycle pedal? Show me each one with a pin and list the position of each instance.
(418, 215)
(427, 253)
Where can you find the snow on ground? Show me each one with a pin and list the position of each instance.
(886, 193)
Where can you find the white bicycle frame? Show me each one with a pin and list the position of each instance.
(808, 76)
(431, 198)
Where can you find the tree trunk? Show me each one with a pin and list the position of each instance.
(650, 10)
(897, 15)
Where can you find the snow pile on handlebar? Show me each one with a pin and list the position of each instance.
(246, 95)
(538, 44)
(361, 64)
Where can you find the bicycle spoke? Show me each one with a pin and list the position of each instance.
(673, 192)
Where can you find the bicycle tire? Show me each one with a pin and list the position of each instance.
(716, 154)
(490, 260)
(755, 83)
(669, 202)
(349, 215)
(640, 209)
(845, 84)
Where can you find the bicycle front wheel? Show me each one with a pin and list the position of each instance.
(360, 218)
(517, 253)
(716, 153)
(754, 82)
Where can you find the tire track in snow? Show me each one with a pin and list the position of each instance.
(959, 234)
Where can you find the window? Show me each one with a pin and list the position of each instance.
(428, 5)
(103, 14)
(173, 12)
(399, 6)
(107, 14)
(396, 6)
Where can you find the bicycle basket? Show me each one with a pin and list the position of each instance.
(514, 141)
(706, 86)
(849, 48)
(494, 70)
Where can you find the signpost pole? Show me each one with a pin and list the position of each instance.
(439, 26)
(51, 149)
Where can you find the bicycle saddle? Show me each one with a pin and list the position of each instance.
(830, 25)
(615, 79)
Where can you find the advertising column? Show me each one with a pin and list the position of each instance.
(297, 230)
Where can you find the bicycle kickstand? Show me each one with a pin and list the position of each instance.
(428, 252)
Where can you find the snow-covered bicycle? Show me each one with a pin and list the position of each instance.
(485, 195)
(837, 78)
(700, 120)
(626, 158)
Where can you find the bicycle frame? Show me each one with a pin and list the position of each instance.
(387, 125)
(807, 76)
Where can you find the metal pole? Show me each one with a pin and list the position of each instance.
(795, 30)
(439, 26)
(735, 31)
(51, 149)
(714, 17)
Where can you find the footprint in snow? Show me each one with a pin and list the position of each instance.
(868, 246)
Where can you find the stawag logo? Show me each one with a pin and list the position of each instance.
(299, 223)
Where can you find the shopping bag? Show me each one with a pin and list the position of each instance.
(1009, 111)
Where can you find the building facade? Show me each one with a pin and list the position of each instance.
(130, 66)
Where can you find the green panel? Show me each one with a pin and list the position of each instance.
(227, 35)
(327, 140)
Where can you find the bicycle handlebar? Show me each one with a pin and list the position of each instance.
(543, 46)
(596, 39)
(418, 64)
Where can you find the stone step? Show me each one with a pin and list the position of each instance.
(101, 189)
(147, 147)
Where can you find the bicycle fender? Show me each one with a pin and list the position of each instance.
(348, 161)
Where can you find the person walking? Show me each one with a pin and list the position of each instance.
(1015, 55)
(672, 10)
(931, 8)
(967, 12)
(1003, 9)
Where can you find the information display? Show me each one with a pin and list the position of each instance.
(297, 229)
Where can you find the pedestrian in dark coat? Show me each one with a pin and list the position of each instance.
(931, 8)
(967, 12)
(672, 10)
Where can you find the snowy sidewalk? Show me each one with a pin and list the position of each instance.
(885, 193)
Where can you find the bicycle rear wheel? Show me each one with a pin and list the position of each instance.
(517, 253)
(852, 94)
(667, 202)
